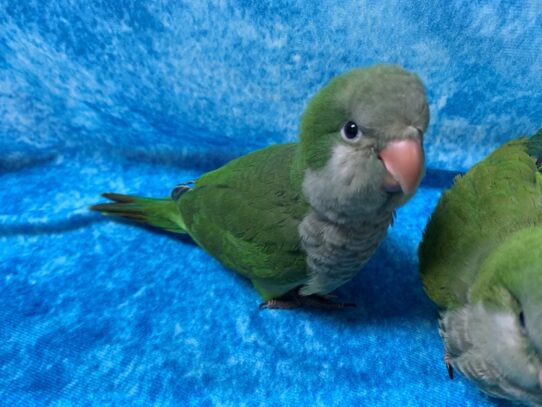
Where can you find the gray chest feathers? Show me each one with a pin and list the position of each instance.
(336, 252)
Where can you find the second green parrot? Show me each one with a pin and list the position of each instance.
(481, 263)
(301, 219)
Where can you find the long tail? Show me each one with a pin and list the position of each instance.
(161, 213)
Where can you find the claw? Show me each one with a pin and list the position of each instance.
(180, 189)
(449, 366)
(279, 304)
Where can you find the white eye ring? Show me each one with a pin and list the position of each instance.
(351, 132)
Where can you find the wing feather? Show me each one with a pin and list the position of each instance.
(246, 214)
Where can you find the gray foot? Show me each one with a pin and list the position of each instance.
(287, 301)
(294, 300)
(324, 302)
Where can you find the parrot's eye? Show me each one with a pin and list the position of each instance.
(351, 131)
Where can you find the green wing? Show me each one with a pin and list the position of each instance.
(246, 214)
(498, 196)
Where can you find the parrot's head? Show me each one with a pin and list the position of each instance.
(361, 141)
(496, 339)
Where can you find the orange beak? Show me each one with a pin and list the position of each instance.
(404, 161)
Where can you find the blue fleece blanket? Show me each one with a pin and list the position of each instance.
(138, 96)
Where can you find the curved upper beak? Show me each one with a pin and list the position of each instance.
(405, 163)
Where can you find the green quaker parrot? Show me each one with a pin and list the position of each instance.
(481, 263)
(300, 219)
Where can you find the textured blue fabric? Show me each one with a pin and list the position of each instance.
(135, 97)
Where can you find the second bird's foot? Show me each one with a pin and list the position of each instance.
(449, 366)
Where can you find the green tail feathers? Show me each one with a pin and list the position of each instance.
(161, 213)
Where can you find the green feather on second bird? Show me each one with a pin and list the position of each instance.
(481, 263)
(301, 219)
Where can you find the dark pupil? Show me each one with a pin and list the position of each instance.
(522, 319)
(351, 129)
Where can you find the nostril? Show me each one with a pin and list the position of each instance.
(412, 132)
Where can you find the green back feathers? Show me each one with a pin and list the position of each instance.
(497, 197)
(515, 265)
(246, 214)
